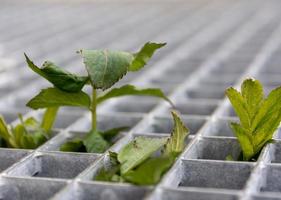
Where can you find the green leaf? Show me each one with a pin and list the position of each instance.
(270, 105)
(75, 145)
(143, 56)
(95, 143)
(106, 67)
(252, 92)
(53, 97)
(176, 143)
(137, 151)
(6, 134)
(132, 90)
(111, 133)
(245, 141)
(49, 118)
(239, 105)
(60, 78)
(150, 171)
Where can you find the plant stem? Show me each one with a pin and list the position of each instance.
(94, 110)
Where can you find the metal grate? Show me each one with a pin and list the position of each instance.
(211, 45)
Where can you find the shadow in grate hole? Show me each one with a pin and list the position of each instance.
(210, 174)
(28, 189)
(103, 191)
(165, 125)
(10, 156)
(214, 149)
(178, 194)
(53, 165)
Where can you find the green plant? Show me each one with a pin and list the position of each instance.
(29, 133)
(138, 163)
(259, 116)
(104, 69)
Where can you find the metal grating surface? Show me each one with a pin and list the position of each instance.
(211, 45)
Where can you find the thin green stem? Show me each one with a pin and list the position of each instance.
(94, 110)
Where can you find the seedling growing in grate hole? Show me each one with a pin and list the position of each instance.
(259, 117)
(29, 133)
(104, 69)
(138, 163)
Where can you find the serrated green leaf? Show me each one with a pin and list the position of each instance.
(132, 90)
(245, 141)
(143, 56)
(106, 67)
(176, 142)
(53, 97)
(95, 143)
(137, 151)
(270, 105)
(150, 171)
(239, 105)
(59, 77)
(75, 145)
(252, 92)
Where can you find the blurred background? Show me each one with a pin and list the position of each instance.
(195, 31)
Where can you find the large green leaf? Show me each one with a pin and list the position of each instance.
(106, 67)
(132, 90)
(95, 143)
(138, 150)
(143, 56)
(176, 142)
(59, 77)
(53, 97)
(150, 171)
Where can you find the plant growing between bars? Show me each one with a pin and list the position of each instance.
(29, 133)
(104, 69)
(259, 117)
(138, 163)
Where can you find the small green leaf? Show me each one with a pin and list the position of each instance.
(60, 78)
(143, 56)
(252, 92)
(75, 145)
(108, 135)
(95, 143)
(106, 67)
(49, 118)
(245, 141)
(132, 90)
(229, 158)
(137, 151)
(176, 142)
(6, 135)
(150, 171)
(239, 106)
(53, 97)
